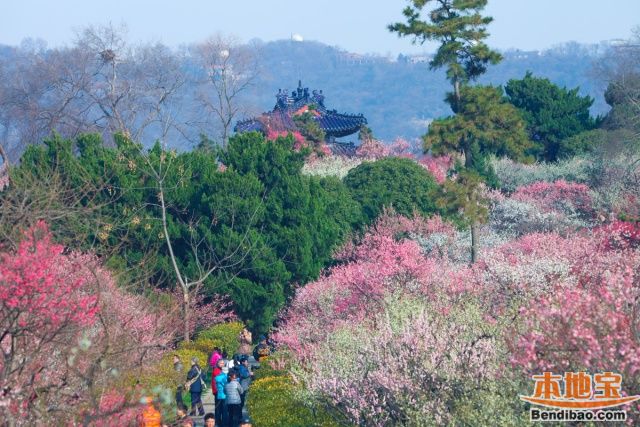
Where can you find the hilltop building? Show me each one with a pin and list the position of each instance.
(280, 119)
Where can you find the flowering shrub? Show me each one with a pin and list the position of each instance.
(338, 166)
(69, 333)
(559, 196)
(622, 235)
(224, 333)
(44, 299)
(273, 402)
(299, 140)
(205, 310)
(515, 218)
(588, 323)
(400, 147)
(540, 301)
(372, 149)
(513, 175)
(437, 166)
(418, 298)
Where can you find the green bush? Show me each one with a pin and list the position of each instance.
(225, 335)
(273, 402)
(392, 182)
(266, 370)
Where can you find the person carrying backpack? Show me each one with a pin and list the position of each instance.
(195, 384)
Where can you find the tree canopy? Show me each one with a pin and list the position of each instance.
(265, 224)
(485, 119)
(392, 182)
(553, 114)
(460, 28)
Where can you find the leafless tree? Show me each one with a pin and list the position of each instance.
(100, 84)
(132, 88)
(206, 257)
(227, 69)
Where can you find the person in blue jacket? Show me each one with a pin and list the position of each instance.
(244, 374)
(221, 399)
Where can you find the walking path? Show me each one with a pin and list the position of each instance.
(209, 401)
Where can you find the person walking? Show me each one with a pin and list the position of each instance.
(179, 368)
(150, 416)
(245, 341)
(214, 386)
(221, 398)
(245, 374)
(195, 385)
(233, 391)
(215, 356)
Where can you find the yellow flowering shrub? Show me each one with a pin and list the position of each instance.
(272, 402)
(226, 334)
(164, 374)
(203, 345)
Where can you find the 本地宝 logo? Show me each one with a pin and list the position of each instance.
(583, 398)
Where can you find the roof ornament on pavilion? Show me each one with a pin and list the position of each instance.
(280, 119)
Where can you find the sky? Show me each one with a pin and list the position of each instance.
(354, 25)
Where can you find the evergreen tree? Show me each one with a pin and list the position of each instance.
(392, 182)
(485, 123)
(553, 114)
(462, 197)
(460, 29)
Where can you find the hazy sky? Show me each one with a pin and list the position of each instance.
(355, 25)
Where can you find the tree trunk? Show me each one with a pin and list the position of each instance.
(468, 159)
(186, 314)
(456, 88)
(474, 242)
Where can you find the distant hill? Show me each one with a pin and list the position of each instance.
(400, 96)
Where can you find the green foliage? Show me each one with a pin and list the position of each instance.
(273, 402)
(460, 28)
(483, 117)
(305, 217)
(461, 198)
(552, 114)
(266, 370)
(581, 143)
(392, 182)
(365, 133)
(309, 127)
(623, 95)
(224, 335)
(261, 223)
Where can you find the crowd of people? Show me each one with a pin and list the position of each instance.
(230, 381)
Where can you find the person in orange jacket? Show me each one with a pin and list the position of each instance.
(150, 416)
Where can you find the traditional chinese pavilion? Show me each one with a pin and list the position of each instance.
(334, 124)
